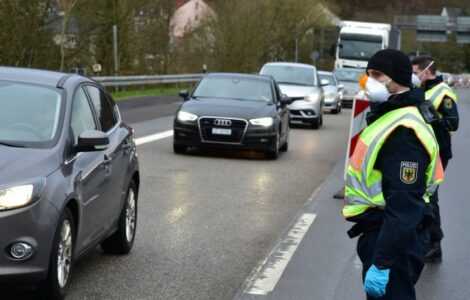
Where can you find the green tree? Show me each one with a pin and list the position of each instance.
(154, 36)
(244, 34)
(26, 35)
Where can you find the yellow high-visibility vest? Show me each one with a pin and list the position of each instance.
(438, 93)
(364, 183)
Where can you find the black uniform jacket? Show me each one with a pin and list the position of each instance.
(403, 161)
(449, 122)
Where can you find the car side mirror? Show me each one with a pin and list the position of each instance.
(92, 140)
(184, 94)
(285, 100)
(340, 87)
(324, 82)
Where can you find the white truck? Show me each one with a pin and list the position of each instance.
(358, 41)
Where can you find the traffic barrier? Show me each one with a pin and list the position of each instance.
(360, 108)
(358, 122)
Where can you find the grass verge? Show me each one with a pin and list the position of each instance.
(147, 92)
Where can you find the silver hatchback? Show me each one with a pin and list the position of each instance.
(300, 83)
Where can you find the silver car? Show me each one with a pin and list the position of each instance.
(300, 83)
(349, 78)
(332, 90)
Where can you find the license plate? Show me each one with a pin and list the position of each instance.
(221, 131)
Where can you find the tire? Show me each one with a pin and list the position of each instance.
(285, 147)
(122, 240)
(274, 154)
(315, 124)
(180, 149)
(60, 265)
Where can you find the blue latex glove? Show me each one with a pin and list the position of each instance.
(376, 281)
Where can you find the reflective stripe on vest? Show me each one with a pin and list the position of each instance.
(363, 183)
(438, 93)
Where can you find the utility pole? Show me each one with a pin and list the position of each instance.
(115, 51)
(115, 54)
(296, 49)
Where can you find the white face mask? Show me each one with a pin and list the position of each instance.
(416, 78)
(377, 91)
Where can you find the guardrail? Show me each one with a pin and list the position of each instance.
(146, 79)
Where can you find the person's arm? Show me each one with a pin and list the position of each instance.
(403, 161)
(450, 115)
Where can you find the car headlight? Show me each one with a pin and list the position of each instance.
(185, 116)
(21, 195)
(312, 97)
(265, 122)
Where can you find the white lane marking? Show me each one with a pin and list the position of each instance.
(270, 271)
(153, 137)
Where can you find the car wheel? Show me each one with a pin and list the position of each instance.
(60, 265)
(274, 154)
(285, 147)
(180, 149)
(122, 240)
(315, 124)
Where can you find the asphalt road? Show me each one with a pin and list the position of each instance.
(209, 220)
(325, 264)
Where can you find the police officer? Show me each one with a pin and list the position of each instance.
(444, 100)
(391, 174)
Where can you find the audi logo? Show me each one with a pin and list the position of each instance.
(222, 122)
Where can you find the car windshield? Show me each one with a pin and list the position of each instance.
(29, 114)
(285, 74)
(359, 47)
(328, 77)
(349, 75)
(226, 87)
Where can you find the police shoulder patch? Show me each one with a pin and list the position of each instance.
(408, 172)
(448, 103)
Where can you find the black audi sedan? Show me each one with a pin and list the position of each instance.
(236, 111)
(69, 176)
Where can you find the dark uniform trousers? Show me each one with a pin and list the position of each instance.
(406, 270)
(435, 229)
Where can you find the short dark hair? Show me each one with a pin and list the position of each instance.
(423, 61)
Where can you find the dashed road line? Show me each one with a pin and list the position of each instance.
(153, 137)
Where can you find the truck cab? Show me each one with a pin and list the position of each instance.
(358, 41)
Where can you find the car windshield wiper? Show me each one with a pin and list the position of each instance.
(9, 144)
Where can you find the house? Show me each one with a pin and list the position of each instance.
(188, 15)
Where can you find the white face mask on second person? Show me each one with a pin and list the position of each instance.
(416, 78)
(377, 91)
